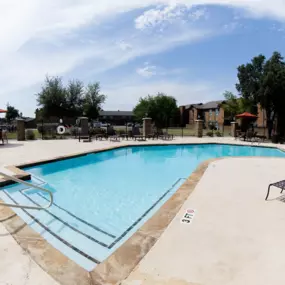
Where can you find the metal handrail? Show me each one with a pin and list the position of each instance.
(31, 186)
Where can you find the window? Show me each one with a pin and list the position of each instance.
(210, 114)
(217, 112)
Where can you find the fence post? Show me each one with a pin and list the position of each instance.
(42, 129)
(182, 131)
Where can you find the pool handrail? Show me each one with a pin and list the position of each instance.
(31, 186)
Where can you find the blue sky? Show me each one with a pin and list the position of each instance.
(187, 49)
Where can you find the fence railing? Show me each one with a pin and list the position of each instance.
(48, 130)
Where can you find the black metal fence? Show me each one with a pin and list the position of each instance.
(47, 130)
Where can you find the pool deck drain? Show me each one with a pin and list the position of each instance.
(119, 265)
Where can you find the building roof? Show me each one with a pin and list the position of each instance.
(211, 105)
(193, 105)
(26, 119)
(116, 113)
(208, 105)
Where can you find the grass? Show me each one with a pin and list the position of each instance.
(13, 136)
(192, 132)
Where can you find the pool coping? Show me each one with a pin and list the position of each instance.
(121, 263)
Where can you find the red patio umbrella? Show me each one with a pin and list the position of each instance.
(3, 111)
(246, 115)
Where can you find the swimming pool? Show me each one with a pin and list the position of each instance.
(101, 199)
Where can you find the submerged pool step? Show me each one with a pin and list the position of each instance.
(50, 236)
(49, 223)
(72, 219)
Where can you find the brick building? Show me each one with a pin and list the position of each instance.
(213, 112)
(210, 112)
(261, 117)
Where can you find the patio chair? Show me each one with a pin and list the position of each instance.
(85, 137)
(279, 184)
(252, 136)
(139, 138)
(115, 138)
(153, 136)
(4, 136)
(1, 136)
(166, 136)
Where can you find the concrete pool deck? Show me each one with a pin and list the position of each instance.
(235, 238)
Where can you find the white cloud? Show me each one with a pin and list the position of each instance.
(198, 14)
(125, 95)
(45, 36)
(147, 70)
(170, 14)
(124, 46)
(158, 16)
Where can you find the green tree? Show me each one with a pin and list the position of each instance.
(272, 92)
(72, 100)
(234, 105)
(75, 98)
(250, 77)
(53, 97)
(161, 108)
(93, 101)
(12, 113)
(144, 108)
(263, 82)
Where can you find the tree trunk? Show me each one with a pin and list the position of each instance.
(269, 128)
(280, 125)
(269, 122)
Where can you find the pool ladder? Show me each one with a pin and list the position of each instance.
(30, 186)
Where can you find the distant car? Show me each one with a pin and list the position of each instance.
(105, 125)
(97, 124)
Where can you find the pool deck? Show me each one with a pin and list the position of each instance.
(235, 237)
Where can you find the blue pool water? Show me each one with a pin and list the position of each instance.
(102, 199)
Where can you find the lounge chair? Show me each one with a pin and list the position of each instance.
(153, 136)
(251, 136)
(3, 136)
(140, 138)
(166, 136)
(85, 137)
(279, 184)
(114, 138)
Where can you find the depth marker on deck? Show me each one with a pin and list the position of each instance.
(188, 216)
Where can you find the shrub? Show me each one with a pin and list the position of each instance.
(210, 134)
(40, 129)
(30, 135)
(219, 134)
(212, 126)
